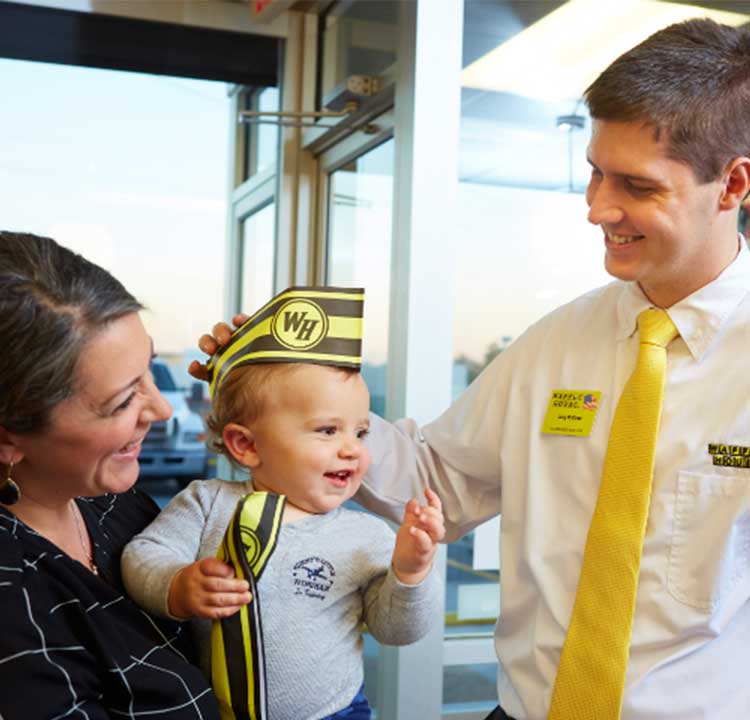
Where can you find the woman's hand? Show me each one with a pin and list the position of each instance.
(209, 344)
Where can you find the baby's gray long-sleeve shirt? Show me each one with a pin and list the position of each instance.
(327, 574)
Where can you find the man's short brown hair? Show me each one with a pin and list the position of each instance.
(691, 82)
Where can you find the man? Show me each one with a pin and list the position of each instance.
(669, 157)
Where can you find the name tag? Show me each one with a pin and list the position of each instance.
(571, 412)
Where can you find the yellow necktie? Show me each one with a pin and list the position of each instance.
(591, 675)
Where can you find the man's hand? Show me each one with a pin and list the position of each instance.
(416, 539)
(209, 344)
(207, 589)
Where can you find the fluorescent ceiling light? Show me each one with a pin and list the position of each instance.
(559, 56)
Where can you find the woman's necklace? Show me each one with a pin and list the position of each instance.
(88, 549)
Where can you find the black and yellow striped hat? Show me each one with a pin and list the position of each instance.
(320, 325)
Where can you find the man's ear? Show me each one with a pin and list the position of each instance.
(240, 442)
(736, 183)
(9, 450)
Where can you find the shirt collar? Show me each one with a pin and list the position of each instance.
(699, 317)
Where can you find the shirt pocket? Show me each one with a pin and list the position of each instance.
(709, 552)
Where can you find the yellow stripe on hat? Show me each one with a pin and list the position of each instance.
(345, 327)
(289, 356)
(235, 347)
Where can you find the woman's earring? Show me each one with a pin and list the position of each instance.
(9, 491)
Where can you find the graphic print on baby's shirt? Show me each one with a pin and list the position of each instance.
(313, 577)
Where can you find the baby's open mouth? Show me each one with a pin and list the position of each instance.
(340, 478)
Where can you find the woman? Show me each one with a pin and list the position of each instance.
(76, 400)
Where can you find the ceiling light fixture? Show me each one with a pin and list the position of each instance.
(561, 54)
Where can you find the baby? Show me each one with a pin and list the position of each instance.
(290, 405)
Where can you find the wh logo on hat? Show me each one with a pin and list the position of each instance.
(320, 325)
(299, 324)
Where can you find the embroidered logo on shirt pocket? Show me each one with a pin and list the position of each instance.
(709, 552)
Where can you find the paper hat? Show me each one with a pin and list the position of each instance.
(320, 325)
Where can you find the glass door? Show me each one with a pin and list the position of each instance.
(355, 208)
(358, 251)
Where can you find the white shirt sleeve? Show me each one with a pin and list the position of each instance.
(457, 455)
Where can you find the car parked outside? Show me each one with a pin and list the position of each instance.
(175, 448)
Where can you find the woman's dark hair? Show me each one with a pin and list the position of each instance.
(52, 302)
(690, 81)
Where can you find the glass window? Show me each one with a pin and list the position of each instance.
(261, 134)
(358, 254)
(360, 199)
(114, 172)
(526, 252)
(256, 280)
(522, 164)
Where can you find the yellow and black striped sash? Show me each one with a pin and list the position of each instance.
(238, 671)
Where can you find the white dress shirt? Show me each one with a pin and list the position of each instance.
(690, 649)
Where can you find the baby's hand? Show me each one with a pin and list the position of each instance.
(207, 589)
(416, 539)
